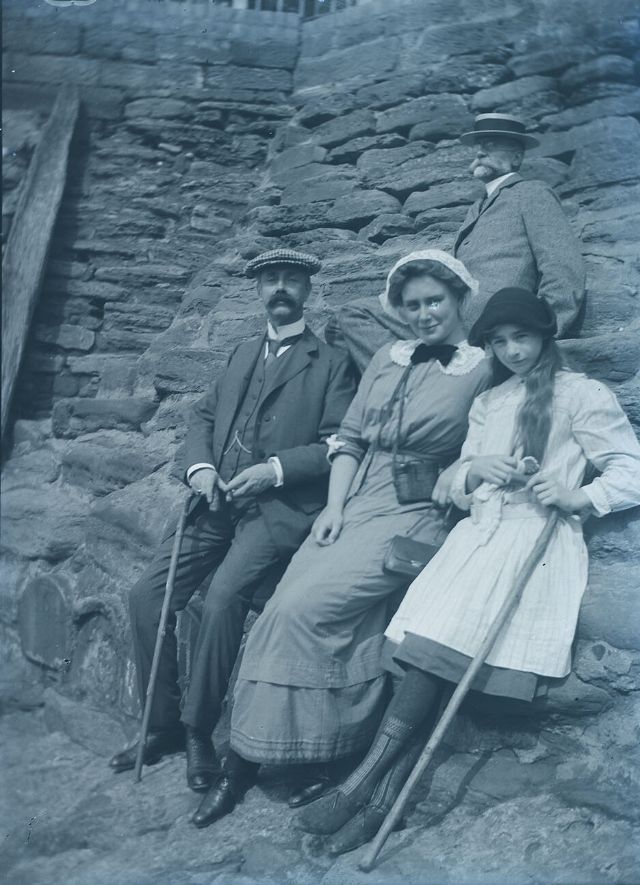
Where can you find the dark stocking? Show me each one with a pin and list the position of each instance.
(418, 694)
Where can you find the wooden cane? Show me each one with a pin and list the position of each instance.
(367, 863)
(162, 627)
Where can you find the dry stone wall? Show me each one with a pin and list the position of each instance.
(207, 140)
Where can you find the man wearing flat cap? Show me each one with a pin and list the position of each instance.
(515, 235)
(255, 453)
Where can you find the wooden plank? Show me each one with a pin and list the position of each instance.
(29, 239)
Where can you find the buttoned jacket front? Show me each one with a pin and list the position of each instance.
(301, 404)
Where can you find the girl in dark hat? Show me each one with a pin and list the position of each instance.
(528, 445)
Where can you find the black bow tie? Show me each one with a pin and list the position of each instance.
(442, 352)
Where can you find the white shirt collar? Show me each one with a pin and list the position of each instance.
(296, 328)
(491, 186)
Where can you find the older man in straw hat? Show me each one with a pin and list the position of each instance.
(256, 440)
(515, 235)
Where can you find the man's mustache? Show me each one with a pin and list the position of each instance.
(281, 296)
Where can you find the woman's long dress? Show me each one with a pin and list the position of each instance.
(450, 606)
(311, 686)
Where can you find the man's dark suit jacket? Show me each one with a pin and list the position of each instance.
(302, 403)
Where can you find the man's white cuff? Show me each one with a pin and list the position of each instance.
(191, 470)
(277, 466)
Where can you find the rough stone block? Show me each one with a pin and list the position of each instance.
(357, 63)
(350, 151)
(317, 105)
(442, 41)
(186, 371)
(442, 165)
(298, 155)
(329, 184)
(137, 273)
(250, 79)
(611, 154)
(103, 465)
(602, 664)
(612, 357)
(439, 116)
(464, 75)
(359, 207)
(35, 38)
(343, 128)
(457, 193)
(551, 60)
(274, 52)
(74, 417)
(133, 77)
(378, 162)
(607, 67)
(392, 91)
(496, 97)
(611, 606)
(385, 226)
(614, 106)
(168, 108)
(66, 337)
(53, 69)
(87, 726)
(44, 522)
(127, 44)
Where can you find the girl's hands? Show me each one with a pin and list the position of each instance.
(551, 493)
(497, 469)
(327, 527)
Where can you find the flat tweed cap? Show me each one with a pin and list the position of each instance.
(283, 256)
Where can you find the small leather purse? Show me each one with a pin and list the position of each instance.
(408, 555)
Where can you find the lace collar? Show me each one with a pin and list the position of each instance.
(463, 362)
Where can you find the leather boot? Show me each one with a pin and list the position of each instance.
(311, 782)
(236, 777)
(159, 743)
(202, 765)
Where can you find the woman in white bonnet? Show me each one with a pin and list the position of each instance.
(311, 687)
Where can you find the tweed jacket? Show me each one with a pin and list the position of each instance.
(302, 403)
(521, 237)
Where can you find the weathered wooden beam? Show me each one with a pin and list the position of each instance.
(29, 239)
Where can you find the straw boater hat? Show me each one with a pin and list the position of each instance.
(435, 262)
(504, 125)
(278, 257)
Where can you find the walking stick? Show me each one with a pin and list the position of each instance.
(458, 696)
(162, 626)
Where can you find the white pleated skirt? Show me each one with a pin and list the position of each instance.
(458, 595)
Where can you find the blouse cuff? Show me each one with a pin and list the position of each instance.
(598, 497)
(458, 492)
(339, 446)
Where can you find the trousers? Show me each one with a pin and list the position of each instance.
(236, 543)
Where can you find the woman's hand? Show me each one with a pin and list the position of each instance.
(497, 469)
(327, 527)
(551, 493)
(441, 494)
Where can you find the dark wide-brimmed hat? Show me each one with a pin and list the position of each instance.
(437, 264)
(279, 257)
(504, 125)
(517, 307)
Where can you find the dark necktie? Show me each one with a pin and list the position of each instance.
(442, 352)
(275, 344)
